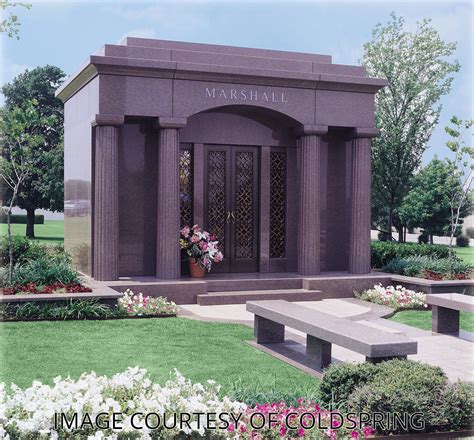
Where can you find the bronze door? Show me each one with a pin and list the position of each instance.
(231, 208)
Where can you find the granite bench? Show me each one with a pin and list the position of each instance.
(322, 330)
(446, 308)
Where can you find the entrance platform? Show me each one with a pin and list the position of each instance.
(237, 288)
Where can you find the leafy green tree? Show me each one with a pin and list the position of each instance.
(10, 25)
(418, 71)
(462, 167)
(43, 189)
(428, 204)
(21, 130)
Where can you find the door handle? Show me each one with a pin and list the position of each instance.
(227, 219)
(232, 214)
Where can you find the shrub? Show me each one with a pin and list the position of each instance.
(21, 219)
(340, 380)
(397, 297)
(462, 241)
(41, 272)
(470, 232)
(458, 405)
(423, 238)
(384, 252)
(405, 387)
(25, 250)
(429, 268)
(63, 310)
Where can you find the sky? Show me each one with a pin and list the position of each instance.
(65, 33)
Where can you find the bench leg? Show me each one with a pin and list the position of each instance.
(377, 360)
(318, 351)
(268, 332)
(445, 320)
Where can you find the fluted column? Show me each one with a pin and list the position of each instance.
(309, 230)
(359, 240)
(167, 246)
(106, 207)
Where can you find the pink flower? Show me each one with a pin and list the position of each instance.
(231, 428)
(301, 432)
(354, 434)
(368, 431)
(282, 431)
(203, 245)
(243, 428)
(218, 257)
(195, 239)
(185, 231)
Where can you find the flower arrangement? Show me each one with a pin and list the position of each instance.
(200, 246)
(32, 412)
(397, 297)
(135, 304)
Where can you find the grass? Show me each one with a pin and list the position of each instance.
(422, 319)
(466, 253)
(51, 232)
(199, 350)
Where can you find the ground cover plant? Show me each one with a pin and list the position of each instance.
(400, 386)
(422, 319)
(136, 304)
(397, 297)
(435, 269)
(30, 413)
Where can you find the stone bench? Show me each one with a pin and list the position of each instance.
(446, 308)
(322, 330)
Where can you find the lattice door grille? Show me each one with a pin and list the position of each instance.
(216, 188)
(186, 186)
(244, 199)
(277, 205)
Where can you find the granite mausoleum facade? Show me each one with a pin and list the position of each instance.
(269, 150)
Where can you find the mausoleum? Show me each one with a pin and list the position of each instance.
(269, 150)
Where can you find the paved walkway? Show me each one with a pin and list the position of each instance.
(454, 355)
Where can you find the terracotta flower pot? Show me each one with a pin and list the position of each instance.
(195, 270)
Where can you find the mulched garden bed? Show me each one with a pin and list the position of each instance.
(33, 289)
(95, 318)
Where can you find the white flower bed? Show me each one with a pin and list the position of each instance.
(135, 304)
(397, 297)
(30, 413)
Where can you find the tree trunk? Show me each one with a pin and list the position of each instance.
(10, 247)
(30, 223)
(389, 224)
(400, 234)
(431, 239)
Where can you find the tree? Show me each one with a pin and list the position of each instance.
(11, 25)
(21, 134)
(407, 110)
(44, 185)
(428, 204)
(460, 165)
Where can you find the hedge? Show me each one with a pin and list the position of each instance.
(21, 219)
(382, 252)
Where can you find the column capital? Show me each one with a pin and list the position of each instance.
(305, 130)
(170, 122)
(364, 132)
(108, 119)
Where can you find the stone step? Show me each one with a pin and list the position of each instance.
(242, 296)
(246, 284)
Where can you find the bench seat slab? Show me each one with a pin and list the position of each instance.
(318, 351)
(267, 331)
(445, 320)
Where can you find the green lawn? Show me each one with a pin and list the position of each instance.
(51, 232)
(466, 253)
(422, 319)
(199, 350)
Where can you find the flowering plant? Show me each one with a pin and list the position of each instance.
(147, 410)
(133, 304)
(200, 245)
(397, 297)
